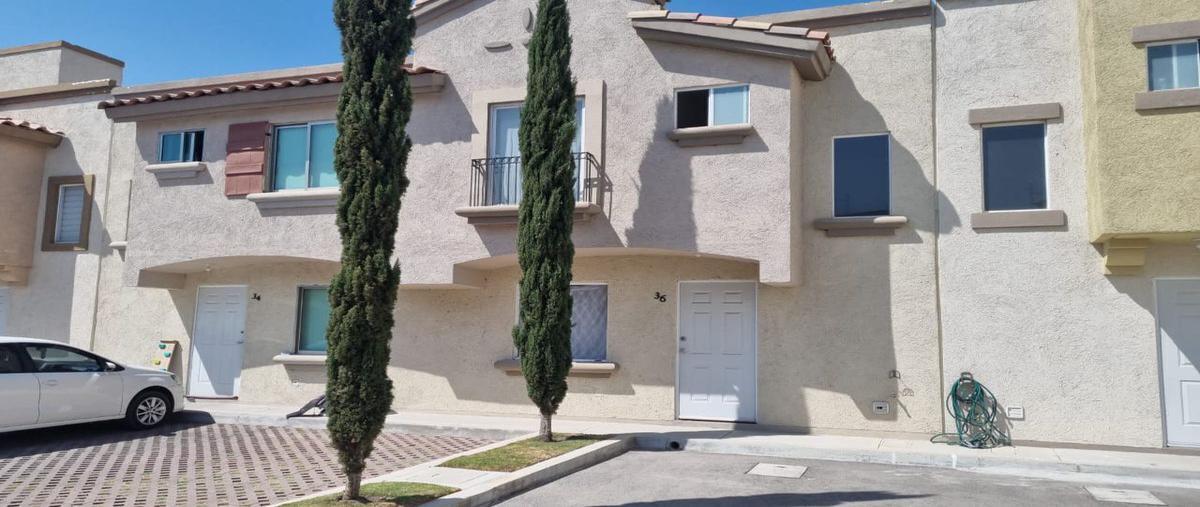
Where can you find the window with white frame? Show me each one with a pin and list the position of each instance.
(862, 175)
(1174, 65)
(182, 146)
(303, 156)
(711, 106)
(504, 151)
(589, 322)
(312, 320)
(1014, 167)
(68, 224)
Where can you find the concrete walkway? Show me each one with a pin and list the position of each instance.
(1147, 468)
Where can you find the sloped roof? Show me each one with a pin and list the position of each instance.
(26, 125)
(248, 86)
(742, 24)
(30, 131)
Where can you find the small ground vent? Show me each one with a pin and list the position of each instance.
(773, 470)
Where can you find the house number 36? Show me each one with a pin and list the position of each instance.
(662, 298)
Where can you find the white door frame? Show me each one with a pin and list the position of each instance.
(192, 339)
(1162, 381)
(678, 315)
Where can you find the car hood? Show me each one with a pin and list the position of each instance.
(138, 370)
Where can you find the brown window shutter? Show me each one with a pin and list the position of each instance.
(246, 158)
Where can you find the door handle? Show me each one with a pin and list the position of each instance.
(52, 382)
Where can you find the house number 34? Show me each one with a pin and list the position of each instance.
(662, 298)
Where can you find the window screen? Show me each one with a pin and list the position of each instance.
(692, 109)
(1014, 167)
(589, 322)
(861, 170)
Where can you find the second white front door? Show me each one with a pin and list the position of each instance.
(218, 338)
(1179, 336)
(718, 327)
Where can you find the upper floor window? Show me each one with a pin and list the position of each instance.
(185, 146)
(1014, 167)
(504, 150)
(313, 320)
(1174, 65)
(862, 175)
(68, 212)
(303, 156)
(703, 107)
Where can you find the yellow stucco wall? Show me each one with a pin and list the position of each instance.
(1143, 167)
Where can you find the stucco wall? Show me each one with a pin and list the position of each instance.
(19, 187)
(59, 300)
(27, 70)
(1142, 164)
(1028, 311)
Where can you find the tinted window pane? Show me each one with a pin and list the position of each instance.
(52, 359)
(1014, 167)
(860, 176)
(314, 318)
(1162, 67)
(9, 363)
(1187, 73)
(729, 105)
(691, 109)
(168, 150)
(321, 173)
(589, 322)
(193, 146)
(291, 152)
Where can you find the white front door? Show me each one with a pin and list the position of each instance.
(217, 341)
(718, 327)
(4, 303)
(1179, 337)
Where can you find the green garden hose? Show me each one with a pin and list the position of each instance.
(974, 410)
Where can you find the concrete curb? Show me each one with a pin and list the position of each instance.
(199, 416)
(1072, 472)
(537, 475)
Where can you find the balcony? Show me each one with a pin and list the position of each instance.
(495, 192)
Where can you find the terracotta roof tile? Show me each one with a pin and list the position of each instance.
(738, 24)
(36, 127)
(334, 77)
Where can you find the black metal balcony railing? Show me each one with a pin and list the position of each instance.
(496, 181)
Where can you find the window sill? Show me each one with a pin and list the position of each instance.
(861, 226)
(711, 136)
(503, 214)
(601, 369)
(285, 199)
(1167, 99)
(300, 359)
(176, 170)
(1018, 219)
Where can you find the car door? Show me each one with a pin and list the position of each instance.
(75, 385)
(18, 390)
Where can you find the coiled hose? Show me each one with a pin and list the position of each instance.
(975, 413)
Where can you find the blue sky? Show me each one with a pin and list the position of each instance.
(161, 41)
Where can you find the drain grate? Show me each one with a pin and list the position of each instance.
(773, 470)
(1129, 496)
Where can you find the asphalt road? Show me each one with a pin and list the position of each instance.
(678, 479)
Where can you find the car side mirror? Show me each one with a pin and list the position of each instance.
(110, 366)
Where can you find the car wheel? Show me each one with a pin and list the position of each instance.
(147, 410)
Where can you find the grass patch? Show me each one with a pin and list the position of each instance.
(518, 455)
(385, 494)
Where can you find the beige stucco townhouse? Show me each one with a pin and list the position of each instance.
(813, 219)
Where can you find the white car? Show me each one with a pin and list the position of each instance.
(48, 383)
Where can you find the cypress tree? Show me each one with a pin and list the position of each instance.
(370, 157)
(544, 248)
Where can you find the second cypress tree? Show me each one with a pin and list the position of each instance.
(544, 248)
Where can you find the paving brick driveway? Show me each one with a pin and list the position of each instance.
(189, 464)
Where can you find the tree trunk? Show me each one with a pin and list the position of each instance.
(544, 434)
(353, 486)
